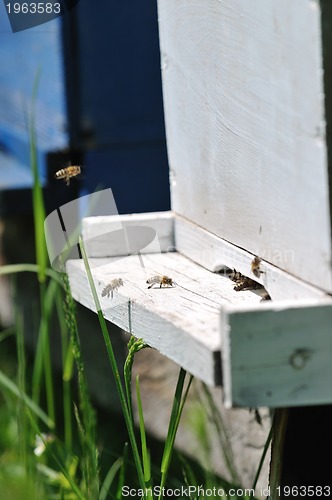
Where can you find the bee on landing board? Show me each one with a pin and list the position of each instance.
(160, 280)
(111, 287)
(67, 173)
(255, 267)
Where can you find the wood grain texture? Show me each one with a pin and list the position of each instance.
(277, 355)
(182, 322)
(244, 109)
(202, 323)
(213, 252)
(110, 236)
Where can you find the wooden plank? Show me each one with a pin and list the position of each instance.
(244, 111)
(109, 236)
(105, 236)
(182, 322)
(326, 21)
(213, 253)
(277, 355)
(280, 418)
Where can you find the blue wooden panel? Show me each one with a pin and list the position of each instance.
(22, 55)
(138, 177)
(115, 103)
(114, 72)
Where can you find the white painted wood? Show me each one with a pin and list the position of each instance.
(183, 322)
(277, 355)
(175, 232)
(243, 94)
(202, 319)
(213, 253)
(109, 236)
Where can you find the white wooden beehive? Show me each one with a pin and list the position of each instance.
(245, 120)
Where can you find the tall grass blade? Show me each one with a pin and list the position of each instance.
(37, 193)
(39, 216)
(116, 373)
(43, 354)
(31, 268)
(145, 452)
(21, 384)
(122, 474)
(188, 475)
(88, 426)
(220, 427)
(12, 387)
(62, 468)
(68, 365)
(8, 332)
(67, 414)
(67, 370)
(261, 462)
(86, 470)
(178, 404)
(110, 476)
(134, 346)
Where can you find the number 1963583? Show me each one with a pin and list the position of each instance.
(34, 8)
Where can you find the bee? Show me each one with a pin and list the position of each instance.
(67, 173)
(235, 276)
(255, 267)
(265, 296)
(247, 284)
(160, 280)
(113, 285)
(243, 282)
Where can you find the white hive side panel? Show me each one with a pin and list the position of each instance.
(244, 110)
(277, 355)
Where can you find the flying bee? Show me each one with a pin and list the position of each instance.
(67, 173)
(255, 267)
(113, 285)
(160, 280)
